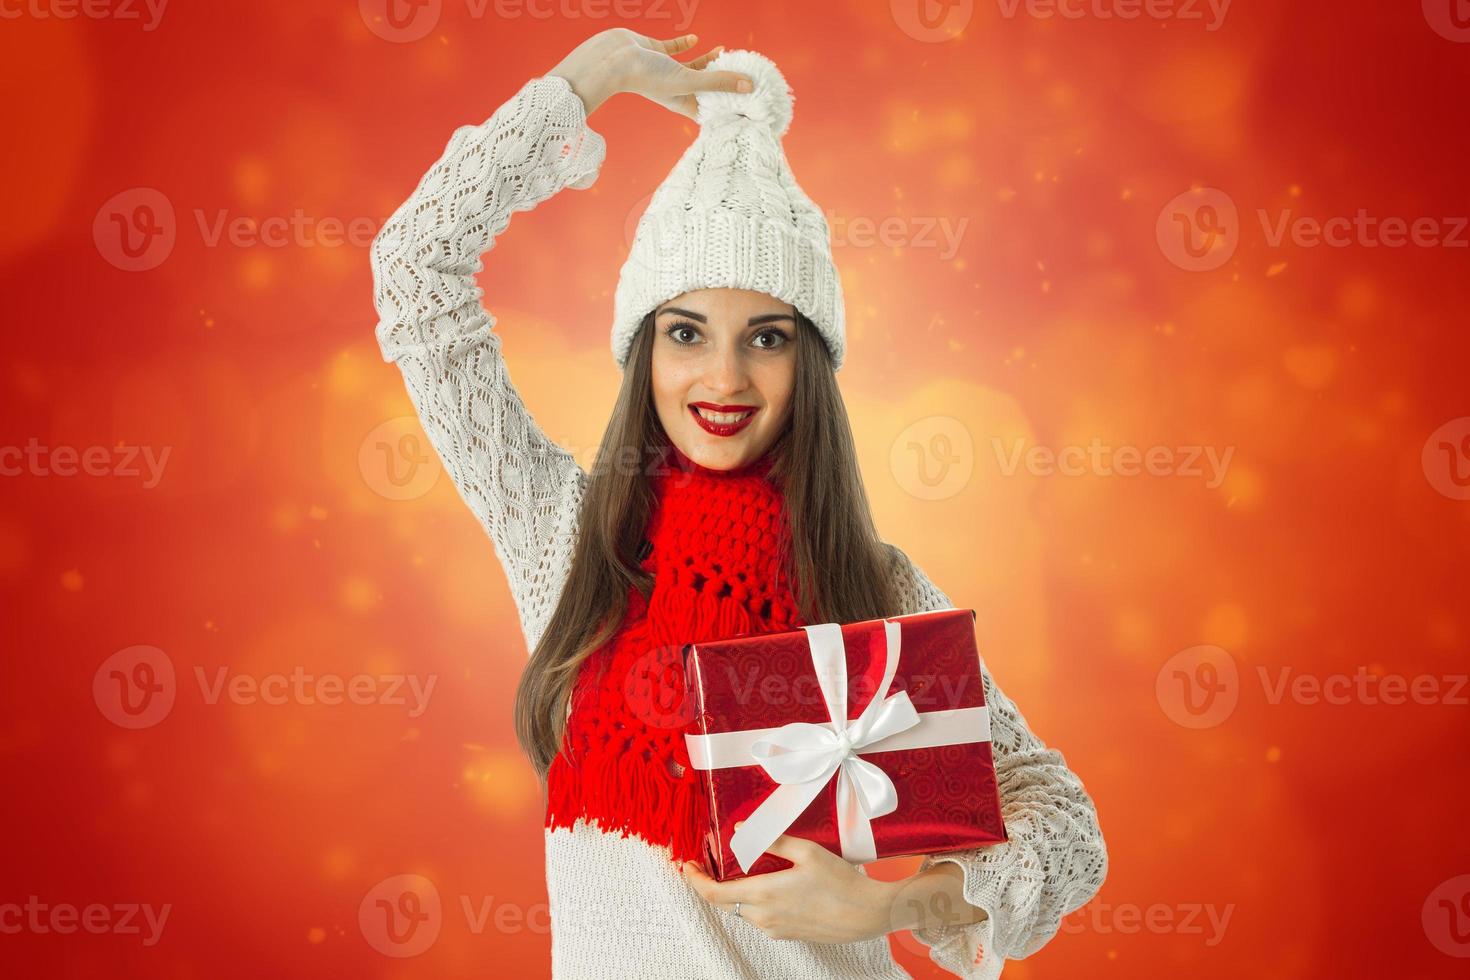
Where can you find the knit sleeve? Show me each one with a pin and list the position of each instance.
(1055, 859)
(525, 490)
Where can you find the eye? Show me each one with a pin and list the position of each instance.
(779, 339)
(673, 331)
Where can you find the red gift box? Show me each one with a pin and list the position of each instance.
(909, 772)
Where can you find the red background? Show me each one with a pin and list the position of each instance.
(1330, 833)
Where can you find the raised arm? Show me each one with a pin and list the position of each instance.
(524, 489)
(1055, 859)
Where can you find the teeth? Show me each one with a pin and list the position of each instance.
(722, 418)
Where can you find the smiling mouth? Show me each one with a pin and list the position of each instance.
(723, 418)
(726, 420)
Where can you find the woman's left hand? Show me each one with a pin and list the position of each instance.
(820, 899)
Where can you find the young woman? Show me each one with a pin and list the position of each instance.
(725, 500)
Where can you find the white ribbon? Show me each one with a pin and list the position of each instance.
(801, 756)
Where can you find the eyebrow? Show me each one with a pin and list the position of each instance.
(754, 321)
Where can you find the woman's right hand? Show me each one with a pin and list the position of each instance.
(620, 60)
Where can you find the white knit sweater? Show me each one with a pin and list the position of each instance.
(620, 907)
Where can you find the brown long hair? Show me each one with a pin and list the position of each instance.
(839, 565)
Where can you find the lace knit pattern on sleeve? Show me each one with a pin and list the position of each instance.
(525, 490)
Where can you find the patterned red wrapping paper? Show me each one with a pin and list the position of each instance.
(947, 795)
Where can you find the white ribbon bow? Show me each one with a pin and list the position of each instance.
(801, 757)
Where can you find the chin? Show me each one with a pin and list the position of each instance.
(719, 458)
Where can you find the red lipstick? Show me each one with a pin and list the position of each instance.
(719, 429)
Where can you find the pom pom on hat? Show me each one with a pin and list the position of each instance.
(769, 101)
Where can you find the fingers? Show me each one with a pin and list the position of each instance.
(673, 45)
(797, 850)
(715, 81)
(706, 58)
(725, 893)
(687, 105)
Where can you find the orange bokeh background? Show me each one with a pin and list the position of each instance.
(1003, 187)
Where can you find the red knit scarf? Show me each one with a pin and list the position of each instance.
(720, 570)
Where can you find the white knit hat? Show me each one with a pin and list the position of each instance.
(730, 214)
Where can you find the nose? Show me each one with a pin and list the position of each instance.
(726, 371)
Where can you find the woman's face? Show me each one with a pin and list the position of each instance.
(724, 367)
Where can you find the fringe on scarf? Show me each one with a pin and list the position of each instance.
(624, 783)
